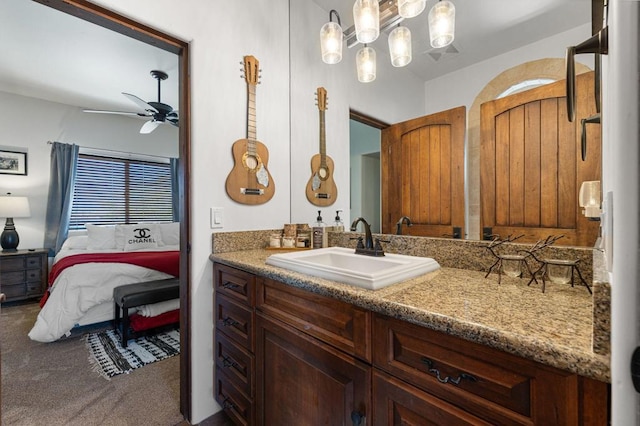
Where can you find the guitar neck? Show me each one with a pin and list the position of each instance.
(251, 119)
(323, 144)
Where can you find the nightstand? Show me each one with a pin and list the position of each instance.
(23, 274)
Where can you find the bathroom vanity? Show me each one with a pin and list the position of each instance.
(448, 347)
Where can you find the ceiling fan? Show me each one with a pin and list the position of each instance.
(160, 112)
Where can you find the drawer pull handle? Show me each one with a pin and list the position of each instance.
(447, 379)
(228, 405)
(228, 363)
(229, 322)
(230, 285)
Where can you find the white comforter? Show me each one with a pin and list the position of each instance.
(82, 287)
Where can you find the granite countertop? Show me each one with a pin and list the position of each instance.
(554, 328)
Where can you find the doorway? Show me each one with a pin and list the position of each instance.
(92, 13)
(364, 164)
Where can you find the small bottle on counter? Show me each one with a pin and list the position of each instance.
(339, 225)
(320, 237)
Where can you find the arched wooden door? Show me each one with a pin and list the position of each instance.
(422, 162)
(531, 167)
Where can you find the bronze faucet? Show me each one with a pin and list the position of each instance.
(403, 219)
(368, 248)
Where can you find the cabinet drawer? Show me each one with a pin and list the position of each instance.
(13, 290)
(395, 403)
(33, 262)
(235, 283)
(235, 320)
(12, 278)
(491, 384)
(33, 275)
(237, 363)
(34, 289)
(233, 401)
(337, 323)
(12, 263)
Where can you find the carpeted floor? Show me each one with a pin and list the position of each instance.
(53, 384)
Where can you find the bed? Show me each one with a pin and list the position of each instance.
(88, 268)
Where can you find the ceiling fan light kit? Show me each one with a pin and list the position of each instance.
(158, 111)
(368, 22)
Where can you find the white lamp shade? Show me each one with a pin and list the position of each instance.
(411, 8)
(366, 16)
(331, 43)
(442, 22)
(14, 207)
(366, 64)
(400, 46)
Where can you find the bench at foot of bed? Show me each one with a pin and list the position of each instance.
(134, 295)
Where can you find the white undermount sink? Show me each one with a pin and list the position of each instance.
(343, 265)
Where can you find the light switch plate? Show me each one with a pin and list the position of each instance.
(217, 218)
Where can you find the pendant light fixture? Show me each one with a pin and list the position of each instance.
(366, 17)
(411, 8)
(400, 46)
(366, 64)
(442, 20)
(331, 40)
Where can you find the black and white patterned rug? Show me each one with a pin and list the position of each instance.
(109, 358)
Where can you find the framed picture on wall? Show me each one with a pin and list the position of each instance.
(13, 163)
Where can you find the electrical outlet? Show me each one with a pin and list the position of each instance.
(217, 218)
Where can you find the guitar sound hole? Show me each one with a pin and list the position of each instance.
(251, 162)
(323, 173)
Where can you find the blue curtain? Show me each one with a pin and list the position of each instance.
(64, 165)
(175, 189)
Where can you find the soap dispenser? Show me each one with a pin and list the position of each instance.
(320, 237)
(339, 226)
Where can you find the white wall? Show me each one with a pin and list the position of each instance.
(364, 140)
(28, 123)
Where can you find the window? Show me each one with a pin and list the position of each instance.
(525, 85)
(116, 190)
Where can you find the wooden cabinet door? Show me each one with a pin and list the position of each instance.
(530, 164)
(422, 162)
(397, 403)
(301, 381)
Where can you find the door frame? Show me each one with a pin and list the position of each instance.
(106, 18)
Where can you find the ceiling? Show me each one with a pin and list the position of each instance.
(50, 55)
(54, 56)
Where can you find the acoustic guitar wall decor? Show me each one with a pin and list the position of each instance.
(321, 188)
(249, 182)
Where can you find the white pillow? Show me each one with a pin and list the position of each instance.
(101, 237)
(170, 234)
(79, 242)
(137, 237)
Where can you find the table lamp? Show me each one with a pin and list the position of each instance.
(11, 207)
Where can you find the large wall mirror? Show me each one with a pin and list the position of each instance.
(61, 58)
(435, 80)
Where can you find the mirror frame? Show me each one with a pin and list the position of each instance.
(108, 19)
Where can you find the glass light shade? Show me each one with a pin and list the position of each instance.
(11, 207)
(366, 64)
(559, 271)
(366, 16)
(411, 8)
(400, 46)
(442, 22)
(331, 43)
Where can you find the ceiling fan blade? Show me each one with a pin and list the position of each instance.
(173, 122)
(149, 126)
(142, 104)
(99, 111)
